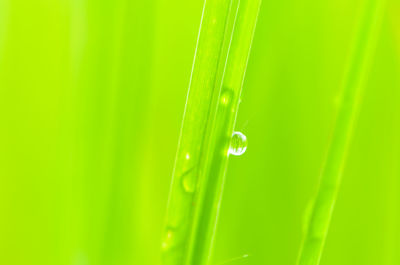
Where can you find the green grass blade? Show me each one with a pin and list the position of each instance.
(215, 161)
(210, 114)
(323, 205)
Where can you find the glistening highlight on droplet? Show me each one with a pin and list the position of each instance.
(238, 144)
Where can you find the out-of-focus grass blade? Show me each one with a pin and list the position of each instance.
(323, 205)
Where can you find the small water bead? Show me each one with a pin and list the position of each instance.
(226, 97)
(187, 177)
(167, 240)
(189, 183)
(238, 144)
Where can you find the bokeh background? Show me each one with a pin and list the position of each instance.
(92, 94)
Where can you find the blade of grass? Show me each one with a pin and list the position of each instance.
(199, 104)
(323, 205)
(207, 127)
(212, 181)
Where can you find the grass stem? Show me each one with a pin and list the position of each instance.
(222, 52)
(323, 205)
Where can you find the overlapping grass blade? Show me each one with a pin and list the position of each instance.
(220, 62)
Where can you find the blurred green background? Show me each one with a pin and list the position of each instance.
(92, 94)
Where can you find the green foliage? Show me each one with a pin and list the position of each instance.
(220, 63)
(92, 94)
(324, 202)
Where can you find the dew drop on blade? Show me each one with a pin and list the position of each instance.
(188, 183)
(226, 97)
(167, 240)
(238, 144)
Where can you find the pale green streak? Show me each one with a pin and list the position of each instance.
(323, 205)
(211, 108)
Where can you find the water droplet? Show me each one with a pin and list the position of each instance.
(238, 144)
(226, 97)
(167, 239)
(187, 156)
(188, 180)
(188, 183)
